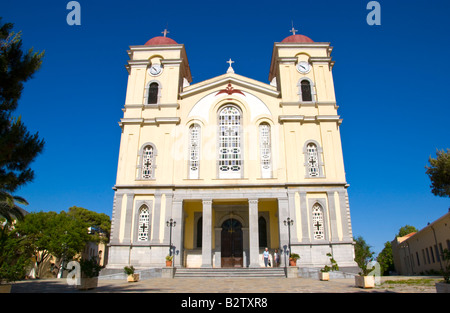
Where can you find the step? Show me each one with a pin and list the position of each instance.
(230, 272)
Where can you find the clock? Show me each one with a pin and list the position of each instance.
(303, 67)
(155, 70)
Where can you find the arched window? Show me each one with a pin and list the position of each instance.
(230, 156)
(262, 229)
(148, 162)
(265, 150)
(144, 223)
(312, 160)
(305, 86)
(194, 151)
(317, 219)
(153, 91)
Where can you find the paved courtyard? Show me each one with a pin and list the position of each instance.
(223, 285)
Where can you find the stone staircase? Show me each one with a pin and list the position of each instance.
(230, 272)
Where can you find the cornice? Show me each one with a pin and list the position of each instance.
(309, 119)
(149, 121)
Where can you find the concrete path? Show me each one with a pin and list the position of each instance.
(216, 285)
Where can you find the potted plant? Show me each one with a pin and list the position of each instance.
(363, 256)
(169, 259)
(293, 257)
(131, 276)
(325, 271)
(444, 286)
(90, 269)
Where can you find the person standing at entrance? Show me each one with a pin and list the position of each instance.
(276, 258)
(266, 256)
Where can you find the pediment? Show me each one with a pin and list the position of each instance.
(237, 81)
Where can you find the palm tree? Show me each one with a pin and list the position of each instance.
(8, 207)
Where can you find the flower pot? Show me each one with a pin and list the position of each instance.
(442, 288)
(365, 281)
(168, 263)
(133, 278)
(87, 283)
(5, 288)
(292, 262)
(324, 276)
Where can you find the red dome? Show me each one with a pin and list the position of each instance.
(160, 40)
(297, 38)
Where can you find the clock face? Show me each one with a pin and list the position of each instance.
(303, 67)
(155, 70)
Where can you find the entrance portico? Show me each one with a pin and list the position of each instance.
(229, 232)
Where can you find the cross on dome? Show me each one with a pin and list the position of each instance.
(230, 69)
(293, 30)
(165, 32)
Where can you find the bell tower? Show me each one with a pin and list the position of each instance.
(301, 69)
(158, 71)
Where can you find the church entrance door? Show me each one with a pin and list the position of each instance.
(232, 243)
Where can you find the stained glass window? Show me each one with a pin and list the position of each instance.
(317, 219)
(265, 150)
(312, 160)
(230, 159)
(148, 162)
(194, 151)
(144, 222)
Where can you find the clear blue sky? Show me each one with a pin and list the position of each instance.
(391, 86)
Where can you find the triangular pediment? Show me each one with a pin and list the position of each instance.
(237, 81)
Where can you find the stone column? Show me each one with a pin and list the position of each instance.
(254, 232)
(128, 219)
(283, 210)
(207, 233)
(333, 218)
(304, 212)
(117, 213)
(157, 219)
(345, 217)
(177, 231)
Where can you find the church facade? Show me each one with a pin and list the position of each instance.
(215, 171)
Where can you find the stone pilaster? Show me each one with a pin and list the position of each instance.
(207, 233)
(253, 232)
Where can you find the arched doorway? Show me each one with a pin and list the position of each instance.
(232, 243)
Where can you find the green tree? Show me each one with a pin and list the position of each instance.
(18, 147)
(439, 173)
(15, 254)
(363, 255)
(99, 222)
(52, 234)
(406, 230)
(385, 259)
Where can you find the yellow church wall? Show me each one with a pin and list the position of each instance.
(172, 140)
(271, 207)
